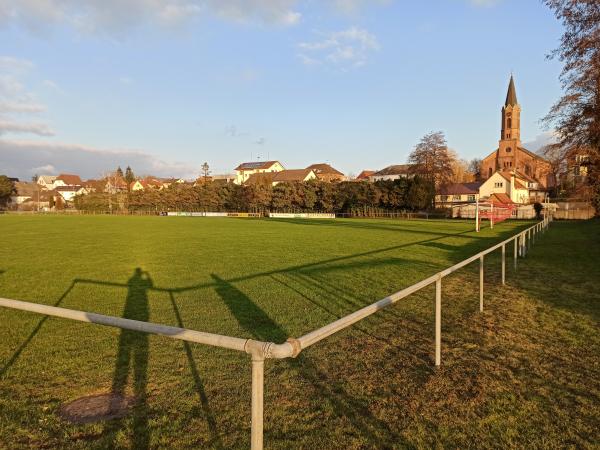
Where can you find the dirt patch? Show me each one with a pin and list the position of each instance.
(96, 408)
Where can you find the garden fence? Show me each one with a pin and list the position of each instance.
(259, 351)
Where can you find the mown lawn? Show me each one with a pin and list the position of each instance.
(525, 373)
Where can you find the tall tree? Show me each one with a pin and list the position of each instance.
(576, 115)
(205, 171)
(432, 159)
(129, 177)
(119, 172)
(7, 189)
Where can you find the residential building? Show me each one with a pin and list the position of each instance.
(244, 170)
(510, 154)
(457, 193)
(68, 192)
(518, 188)
(66, 179)
(325, 172)
(25, 191)
(394, 172)
(364, 175)
(46, 181)
(147, 183)
(294, 175)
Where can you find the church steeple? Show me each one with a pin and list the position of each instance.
(511, 118)
(511, 95)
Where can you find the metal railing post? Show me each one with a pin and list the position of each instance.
(258, 375)
(481, 283)
(503, 264)
(438, 321)
(515, 251)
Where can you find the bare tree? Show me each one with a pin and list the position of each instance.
(576, 115)
(432, 159)
(474, 168)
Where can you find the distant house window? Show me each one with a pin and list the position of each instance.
(444, 198)
(499, 185)
(471, 197)
(456, 198)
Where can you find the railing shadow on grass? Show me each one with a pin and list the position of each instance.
(33, 333)
(255, 321)
(291, 269)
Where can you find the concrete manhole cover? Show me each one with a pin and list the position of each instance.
(95, 408)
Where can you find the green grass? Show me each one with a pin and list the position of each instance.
(525, 373)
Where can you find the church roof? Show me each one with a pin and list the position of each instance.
(511, 95)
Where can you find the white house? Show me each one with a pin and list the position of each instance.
(65, 179)
(506, 183)
(244, 170)
(46, 181)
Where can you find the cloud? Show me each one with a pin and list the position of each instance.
(347, 48)
(541, 140)
(116, 17)
(484, 3)
(41, 129)
(24, 158)
(353, 6)
(15, 99)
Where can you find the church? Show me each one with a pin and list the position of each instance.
(511, 159)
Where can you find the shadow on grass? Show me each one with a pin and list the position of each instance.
(33, 333)
(132, 355)
(257, 322)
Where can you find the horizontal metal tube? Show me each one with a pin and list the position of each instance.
(216, 340)
(323, 332)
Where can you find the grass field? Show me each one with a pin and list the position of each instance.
(525, 373)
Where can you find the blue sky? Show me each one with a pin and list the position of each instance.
(164, 85)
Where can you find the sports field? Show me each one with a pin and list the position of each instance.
(523, 373)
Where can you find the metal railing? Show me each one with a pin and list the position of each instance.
(260, 350)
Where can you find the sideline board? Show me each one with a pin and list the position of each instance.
(302, 215)
(210, 214)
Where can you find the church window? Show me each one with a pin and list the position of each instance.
(490, 172)
(508, 149)
(527, 170)
(509, 121)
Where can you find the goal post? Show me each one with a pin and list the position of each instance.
(493, 211)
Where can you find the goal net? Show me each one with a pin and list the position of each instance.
(494, 212)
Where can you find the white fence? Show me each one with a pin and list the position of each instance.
(259, 351)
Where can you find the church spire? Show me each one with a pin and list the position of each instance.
(511, 95)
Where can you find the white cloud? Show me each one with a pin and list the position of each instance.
(347, 48)
(352, 6)
(22, 158)
(41, 129)
(541, 140)
(118, 16)
(16, 99)
(484, 2)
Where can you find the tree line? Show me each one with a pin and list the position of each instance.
(358, 198)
